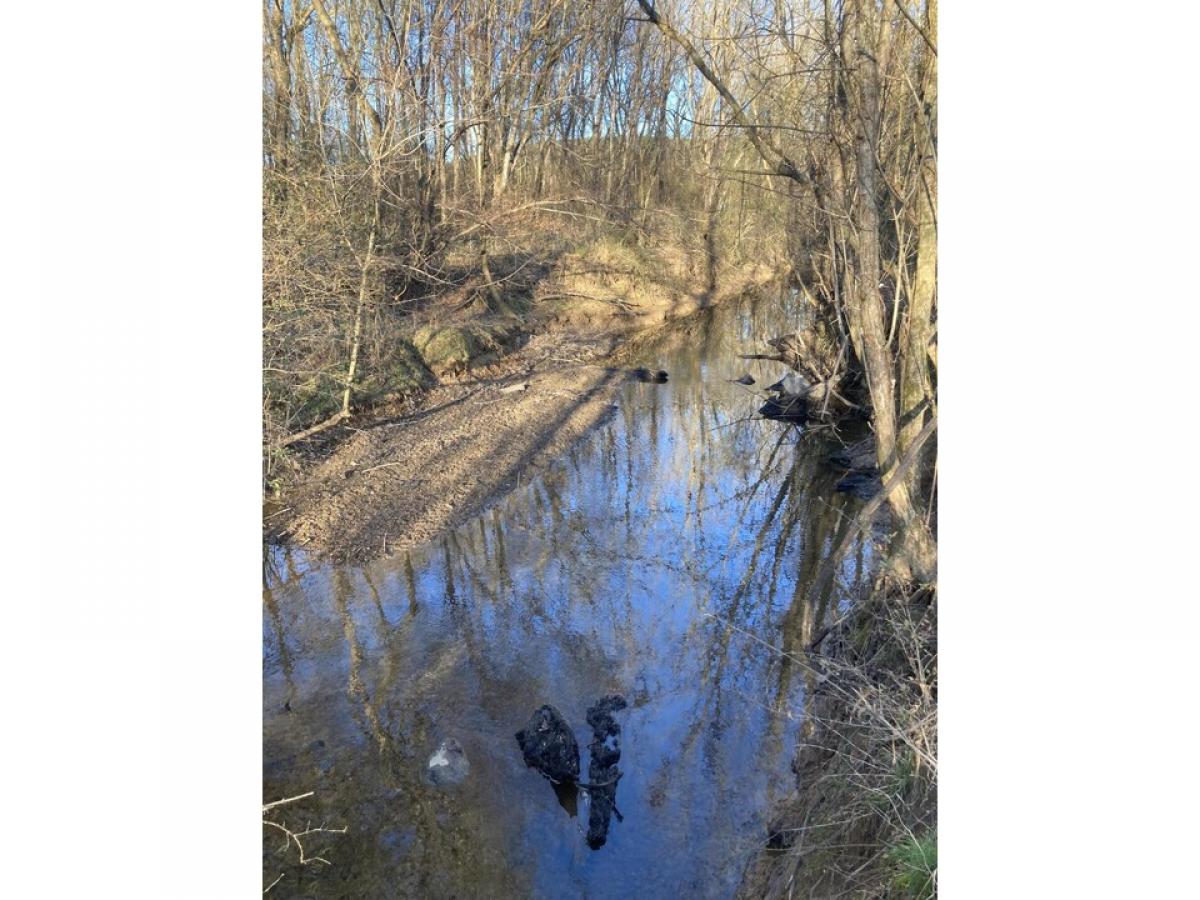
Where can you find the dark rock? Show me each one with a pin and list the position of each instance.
(659, 377)
(785, 409)
(549, 746)
(746, 379)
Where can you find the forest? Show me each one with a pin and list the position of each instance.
(476, 215)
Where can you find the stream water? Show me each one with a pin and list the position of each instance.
(666, 558)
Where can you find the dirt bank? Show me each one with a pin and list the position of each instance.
(404, 475)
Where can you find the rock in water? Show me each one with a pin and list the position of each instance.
(449, 765)
(549, 746)
(645, 375)
(789, 409)
(791, 385)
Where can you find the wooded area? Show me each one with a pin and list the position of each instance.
(410, 143)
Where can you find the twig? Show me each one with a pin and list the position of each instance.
(384, 466)
(294, 837)
(735, 422)
(287, 800)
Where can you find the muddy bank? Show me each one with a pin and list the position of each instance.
(392, 482)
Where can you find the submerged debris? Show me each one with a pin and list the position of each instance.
(785, 409)
(788, 401)
(603, 773)
(860, 455)
(659, 377)
(449, 765)
(861, 483)
(549, 746)
(863, 478)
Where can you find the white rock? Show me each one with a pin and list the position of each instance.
(449, 765)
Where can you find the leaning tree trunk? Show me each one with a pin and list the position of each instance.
(864, 303)
(915, 381)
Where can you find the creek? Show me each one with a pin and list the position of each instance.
(666, 558)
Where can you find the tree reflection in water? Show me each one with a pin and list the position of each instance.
(661, 559)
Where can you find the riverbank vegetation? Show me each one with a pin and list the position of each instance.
(443, 179)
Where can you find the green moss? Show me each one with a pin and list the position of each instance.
(402, 371)
(446, 349)
(452, 349)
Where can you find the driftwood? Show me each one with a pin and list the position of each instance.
(820, 359)
(813, 352)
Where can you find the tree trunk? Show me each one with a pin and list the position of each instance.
(864, 303)
(915, 382)
(360, 308)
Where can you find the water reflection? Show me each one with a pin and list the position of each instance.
(660, 560)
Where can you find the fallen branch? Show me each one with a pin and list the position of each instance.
(339, 416)
(296, 837)
(769, 356)
(293, 837)
(287, 800)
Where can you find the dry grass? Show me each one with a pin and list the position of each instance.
(863, 820)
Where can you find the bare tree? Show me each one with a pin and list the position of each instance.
(401, 136)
